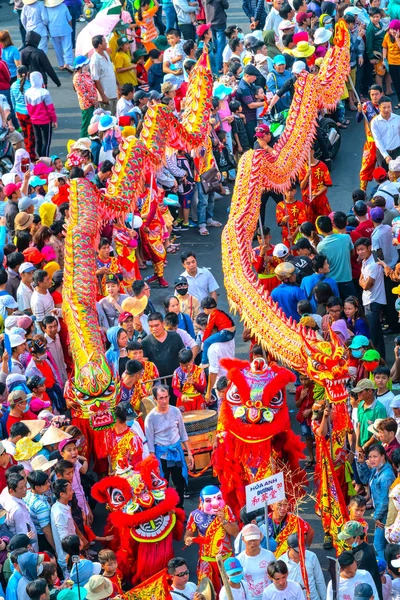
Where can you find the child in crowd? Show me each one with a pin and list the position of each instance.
(239, 133)
(188, 383)
(289, 216)
(383, 393)
(109, 566)
(304, 399)
(219, 320)
(357, 507)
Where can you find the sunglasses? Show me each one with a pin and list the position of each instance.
(183, 574)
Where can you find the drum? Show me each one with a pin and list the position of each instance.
(201, 427)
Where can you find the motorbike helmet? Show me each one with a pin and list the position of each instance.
(250, 40)
(284, 270)
(89, 14)
(360, 208)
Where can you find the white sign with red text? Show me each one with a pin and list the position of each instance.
(266, 491)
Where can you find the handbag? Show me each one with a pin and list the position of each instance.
(210, 180)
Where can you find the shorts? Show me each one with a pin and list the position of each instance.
(185, 200)
(305, 430)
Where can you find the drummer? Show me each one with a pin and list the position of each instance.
(188, 383)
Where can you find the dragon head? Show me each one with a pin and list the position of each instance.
(140, 500)
(96, 391)
(256, 398)
(327, 366)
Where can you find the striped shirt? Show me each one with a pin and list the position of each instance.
(39, 509)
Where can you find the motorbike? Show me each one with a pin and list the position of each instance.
(327, 130)
(6, 153)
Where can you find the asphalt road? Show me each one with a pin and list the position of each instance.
(344, 176)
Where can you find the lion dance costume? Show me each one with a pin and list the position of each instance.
(286, 341)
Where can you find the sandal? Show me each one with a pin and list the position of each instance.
(171, 249)
(341, 125)
(214, 224)
(204, 231)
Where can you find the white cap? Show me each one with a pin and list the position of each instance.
(16, 340)
(286, 24)
(280, 251)
(394, 165)
(298, 66)
(26, 267)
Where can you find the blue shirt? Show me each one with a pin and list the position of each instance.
(59, 18)
(18, 97)
(10, 55)
(337, 248)
(308, 284)
(287, 296)
(12, 586)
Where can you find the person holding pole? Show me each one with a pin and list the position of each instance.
(367, 111)
(234, 588)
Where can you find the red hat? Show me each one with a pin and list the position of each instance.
(124, 316)
(301, 36)
(262, 130)
(33, 256)
(379, 173)
(201, 29)
(303, 16)
(42, 169)
(10, 188)
(124, 121)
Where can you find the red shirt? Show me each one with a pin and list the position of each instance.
(220, 320)
(27, 416)
(365, 228)
(3, 470)
(46, 370)
(307, 402)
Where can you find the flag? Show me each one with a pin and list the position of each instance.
(154, 588)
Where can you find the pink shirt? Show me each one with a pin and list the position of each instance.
(223, 112)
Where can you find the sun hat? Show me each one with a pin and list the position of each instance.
(83, 571)
(167, 87)
(42, 168)
(251, 532)
(298, 66)
(26, 267)
(351, 529)
(8, 302)
(52, 3)
(359, 341)
(53, 435)
(35, 426)
(221, 91)
(138, 54)
(40, 463)
(23, 221)
(81, 61)
(65, 442)
(107, 122)
(394, 24)
(10, 322)
(353, 10)
(27, 2)
(286, 24)
(363, 384)
(93, 128)
(280, 251)
(303, 50)
(232, 565)
(98, 588)
(16, 340)
(279, 59)
(374, 427)
(322, 35)
(35, 180)
(8, 178)
(74, 593)
(82, 144)
(201, 29)
(25, 202)
(135, 306)
(161, 43)
(25, 449)
(11, 188)
(122, 40)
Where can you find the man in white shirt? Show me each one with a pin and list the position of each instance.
(42, 303)
(125, 104)
(215, 353)
(349, 578)
(18, 518)
(373, 296)
(315, 576)
(25, 289)
(62, 523)
(385, 129)
(255, 561)
(50, 328)
(103, 74)
(273, 19)
(179, 571)
(201, 282)
(282, 588)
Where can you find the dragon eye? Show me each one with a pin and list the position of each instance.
(233, 395)
(276, 400)
(117, 497)
(319, 366)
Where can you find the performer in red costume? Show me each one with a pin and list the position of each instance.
(370, 109)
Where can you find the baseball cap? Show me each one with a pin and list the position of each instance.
(395, 403)
(286, 24)
(371, 355)
(124, 316)
(251, 532)
(27, 267)
(364, 384)
(293, 541)
(232, 565)
(34, 181)
(139, 95)
(19, 540)
(201, 29)
(280, 251)
(359, 341)
(131, 413)
(363, 591)
(64, 443)
(37, 346)
(10, 188)
(379, 173)
(303, 16)
(24, 321)
(262, 130)
(298, 66)
(167, 87)
(279, 59)
(35, 381)
(111, 278)
(33, 255)
(382, 565)
(351, 529)
(302, 244)
(181, 280)
(251, 70)
(26, 202)
(377, 215)
(15, 397)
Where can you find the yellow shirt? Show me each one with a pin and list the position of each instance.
(121, 61)
(393, 50)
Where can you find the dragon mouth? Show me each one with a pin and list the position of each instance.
(253, 415)
(102, 419)
(336, 389)
(154, 530)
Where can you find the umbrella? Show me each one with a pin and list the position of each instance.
(103, 24)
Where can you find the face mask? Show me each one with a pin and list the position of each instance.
(2, 520)
(26, 408)
(182, 291)
(329, 26)
(236, 578)
(354, 545)
(240, 36)
(357, 353)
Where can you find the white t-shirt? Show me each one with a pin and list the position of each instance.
(218, 351)
(255, 571)
(123, 107)
(41, 305)
(189, 592)
(386, 399)
(101, 69)
(347, 586)
(237, 594)
(292, 592)
(377, 293)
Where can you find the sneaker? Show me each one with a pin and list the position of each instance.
(177, 227)
(81, 20)
(327, 545)
(185, 227)
(151, 279)
(162, 282)
(193, 223)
